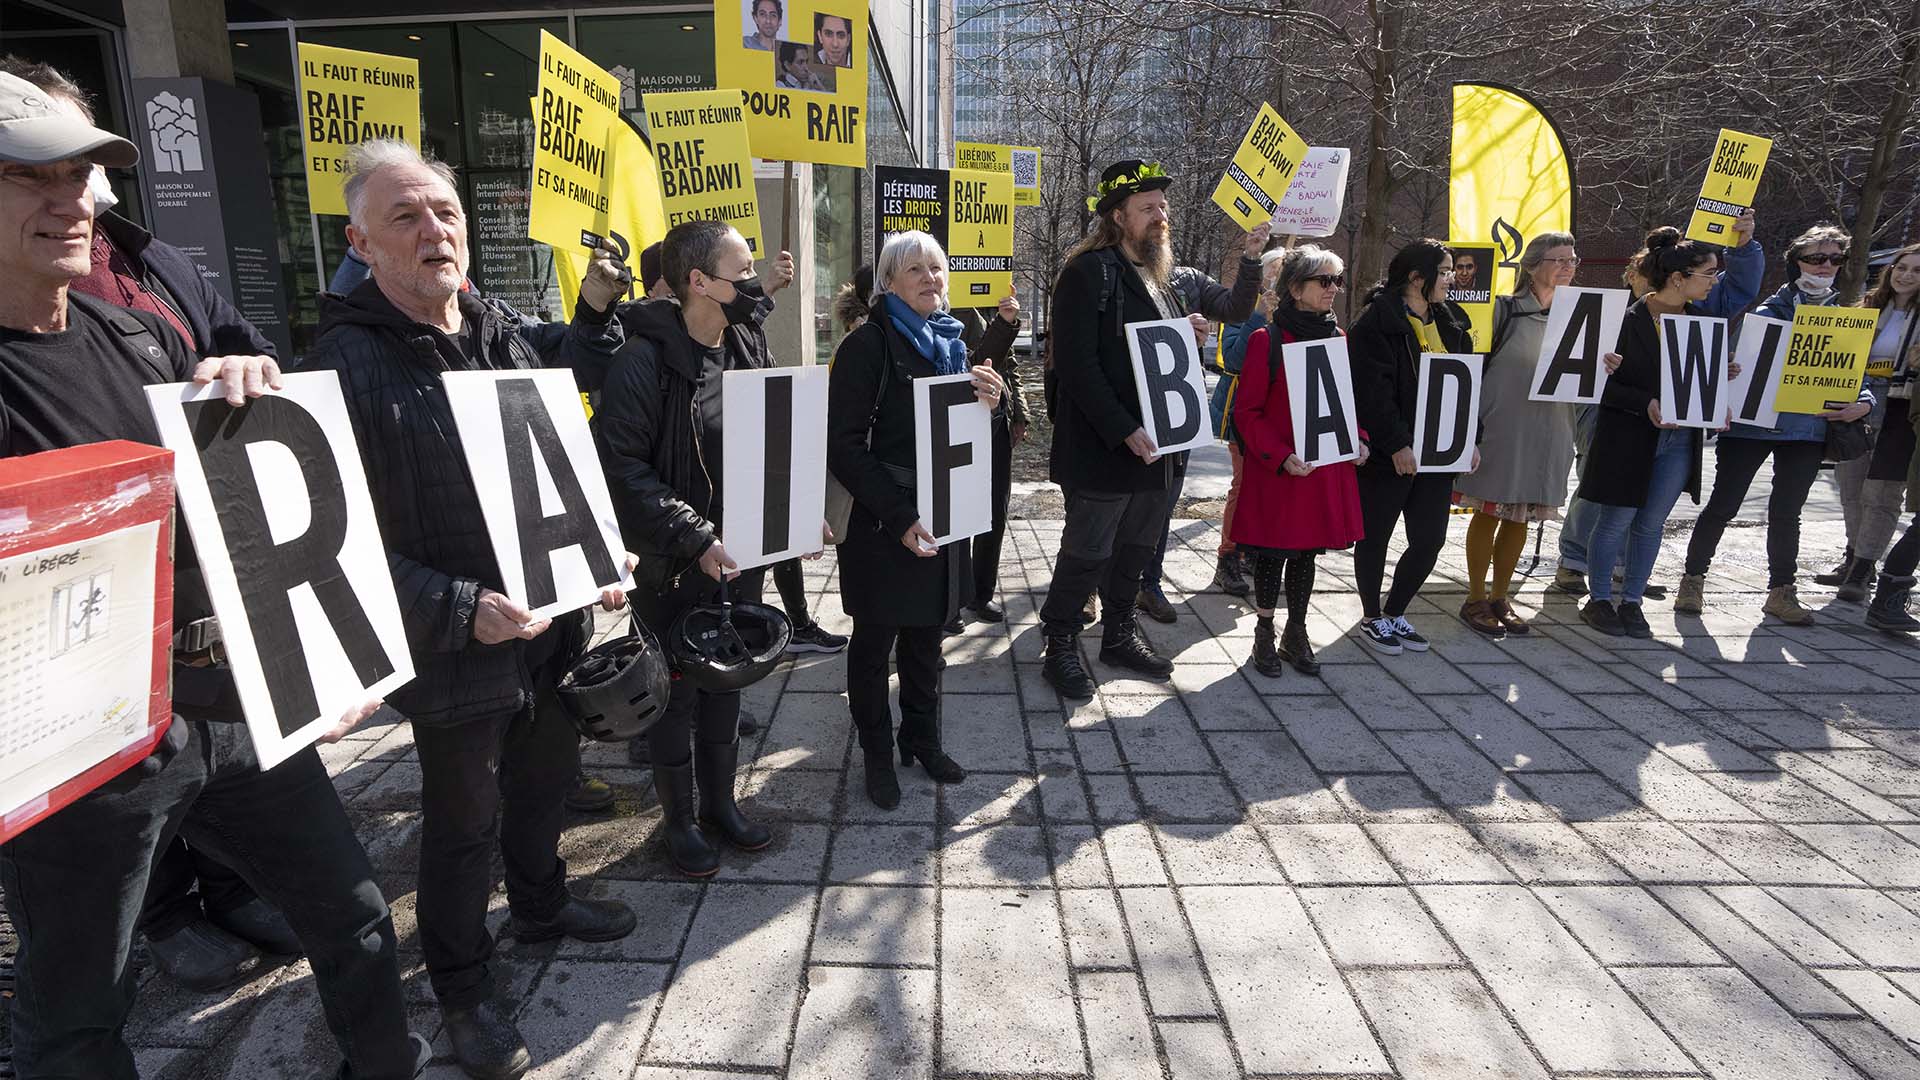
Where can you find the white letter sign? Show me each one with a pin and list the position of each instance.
(774, 471)
(1759, 350)
(1320, 397)
(953, 457)
(1446, 417)
(1166, 372)
(290, 550)
(540, 486)
(1693, 370)
(1582, 326)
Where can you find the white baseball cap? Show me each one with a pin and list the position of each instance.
(34, 130)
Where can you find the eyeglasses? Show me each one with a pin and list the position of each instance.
(1328, 281)
(1823, 260)
(1564, 260)
(1707, 273)
(1447, 273)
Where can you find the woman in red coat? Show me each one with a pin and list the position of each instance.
(1289, 511)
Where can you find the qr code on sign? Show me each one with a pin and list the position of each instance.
(1026, 168)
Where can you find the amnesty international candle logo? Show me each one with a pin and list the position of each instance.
(1826, 358)
(348, 97)
(706, 171)
(578, 105)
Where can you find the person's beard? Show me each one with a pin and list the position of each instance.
(1153, 249)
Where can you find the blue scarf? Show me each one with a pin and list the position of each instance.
(937, 338)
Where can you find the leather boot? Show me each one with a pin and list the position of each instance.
(1889, 608)
(690, 852)
(1228, 576)
(203, 957)
(1855, 588)
(485, 1042)
(1266, 660)
(1122, 646)
(1297, 649)
(713, 766)
(1061, 666)
(883, 785)
(1839, 574)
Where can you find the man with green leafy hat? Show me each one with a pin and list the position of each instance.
(1114, 478)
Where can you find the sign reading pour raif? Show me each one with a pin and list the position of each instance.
(1732, 178)
(348, 97)
(801, 66)
(577, 106)
(1261, 170)
(706, 171)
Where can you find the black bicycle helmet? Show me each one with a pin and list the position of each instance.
(726, 646)
(619, 690)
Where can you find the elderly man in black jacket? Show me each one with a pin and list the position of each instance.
(1114, 479)
(486, 723)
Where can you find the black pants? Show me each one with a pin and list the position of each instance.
(691, 711)
(916, 650)
(1108, 540)
(788, 578)
(173, 903)
(986, 545)
(75, 884)
(1905, 555)
(1736, 460)
(1385, 496)
(484, 782)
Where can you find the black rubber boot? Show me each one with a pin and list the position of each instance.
(1855, 588)
(1266, 660)
(688, 849)
(1889, 608)
(485, 1042)
(1839, 574)
(1061, 666)
(713, 767)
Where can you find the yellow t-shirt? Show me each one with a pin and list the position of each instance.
(1428, 333)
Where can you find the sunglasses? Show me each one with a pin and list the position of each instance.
(1329, 281)
(1823, 260)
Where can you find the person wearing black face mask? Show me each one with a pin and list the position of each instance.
(659, 426)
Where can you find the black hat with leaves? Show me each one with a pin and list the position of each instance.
(1124, 178)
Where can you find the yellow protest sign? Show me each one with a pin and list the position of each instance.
(803, 70)
(1471, 289)
(635, 217)
(1732, 177)
(706, 171)
(1508, 180)
(1026, 175)
(576, 108)
(348, 97)
(979, 237)
(1826, 358)
(1022, 163)
(1261, 169)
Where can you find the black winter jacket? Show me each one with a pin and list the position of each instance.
(218, 327)
(1620, 461)
(668, 503)
(990, 341)
(1385, 356)
(437, 545)
(1095, 403)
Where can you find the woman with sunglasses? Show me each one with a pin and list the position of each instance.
(1289, 511)
(1407, 314)
(1641, 463)
(1526, 446)
(1796, 442)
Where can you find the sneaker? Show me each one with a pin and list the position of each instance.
(1410, 638)
(1569, 581)
(1380, 634)
(814, 638)
(1691, 599)
(1600, 615)
(1784, 604)
(1634, 621)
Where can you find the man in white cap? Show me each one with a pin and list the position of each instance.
(72, 370)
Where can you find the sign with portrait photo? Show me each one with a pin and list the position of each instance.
(1472, 288)
(801, 67)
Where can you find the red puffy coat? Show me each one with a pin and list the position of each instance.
(1320, 510)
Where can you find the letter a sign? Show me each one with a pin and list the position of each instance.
(1166, 373)
(1320, 393)
(540, 486)
(290, 552)
(1583, 326)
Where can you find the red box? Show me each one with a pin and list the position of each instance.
(55, 510)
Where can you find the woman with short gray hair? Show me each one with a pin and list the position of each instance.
(898, 587)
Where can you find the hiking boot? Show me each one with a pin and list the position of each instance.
(589, 794)
(1571, 582)
(1889, 608)
(1839, 575)
(1229, 577)
(1154, 602)
(1600, 615)
(579, 918)
(1691, 599)
(485, 1042)
(1509, 618)
(1060, 665)
(1783, 604)
(1266, 658)
(1859, 578)
(1297, 649)
(1480, 618)
(1127, 649)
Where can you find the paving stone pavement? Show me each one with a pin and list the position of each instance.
(1559, 855)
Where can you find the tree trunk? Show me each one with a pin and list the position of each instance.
(1893, 122)
(1370, 255)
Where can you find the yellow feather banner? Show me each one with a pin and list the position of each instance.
(1510, 178)
(635, 213)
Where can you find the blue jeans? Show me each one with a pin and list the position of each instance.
(1578, 526)
(1637, 528)
(1153, 575)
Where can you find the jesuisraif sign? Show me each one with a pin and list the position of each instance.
(578, 105)
(1732, 178)
(1261, 170)
(1826, 358)
(970, 214)
(706, 170)
(348, 97)
(802, 68)
(1472, 288)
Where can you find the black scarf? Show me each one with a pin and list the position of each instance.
(1304, 325)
